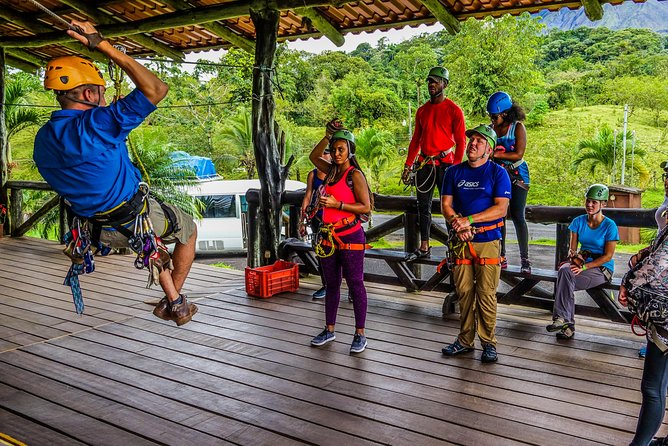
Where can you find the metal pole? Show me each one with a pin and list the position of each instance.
(633, 154)
(614, 156)
(626, 117)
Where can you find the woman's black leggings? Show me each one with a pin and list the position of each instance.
(518, 202)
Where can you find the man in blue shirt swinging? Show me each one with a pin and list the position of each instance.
(475, 199)
(81, 153)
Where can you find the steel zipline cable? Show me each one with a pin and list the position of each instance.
(203, 104)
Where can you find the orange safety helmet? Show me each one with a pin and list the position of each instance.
(67, 72)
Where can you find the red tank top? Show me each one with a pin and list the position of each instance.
(341, 192)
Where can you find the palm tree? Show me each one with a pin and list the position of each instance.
(19, 116)
(602, 152)
(166, 180)
(376, 151)
(238, 135)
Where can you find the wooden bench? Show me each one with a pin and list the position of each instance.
(396, 260)
(521, 284)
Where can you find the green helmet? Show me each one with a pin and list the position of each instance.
(343, 134)
(346, 135)
(598, 192)
(441, 72)
(486, 131)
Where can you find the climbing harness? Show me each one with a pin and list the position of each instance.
(409, 179)
(328, 238)
(456, 249)
(78, 248)
(116, 76)
(514, 173)
(432, 161)
(152, 254)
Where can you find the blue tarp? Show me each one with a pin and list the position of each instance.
(202, 166)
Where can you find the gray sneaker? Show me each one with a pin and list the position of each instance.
(557, 325)
(320, 294)
(359, 343)
(566, 333)
(323, 338)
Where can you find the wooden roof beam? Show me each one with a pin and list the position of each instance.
(38, 28)
(593, 9)
(322, 24)
(165, 21)
(101, 19)
(27, 57)
(21, 64)
(444, 16)
(218, 29)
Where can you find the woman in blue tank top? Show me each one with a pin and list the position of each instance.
(507, 117)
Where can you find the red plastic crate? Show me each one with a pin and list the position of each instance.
(265, 281)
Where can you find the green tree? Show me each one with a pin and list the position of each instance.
(647, 92)
(18, 116)
(415, 63)
(604, 152)
(376, 152)
(167, 179)
(237, 137)
(490, 55)
(360, 103)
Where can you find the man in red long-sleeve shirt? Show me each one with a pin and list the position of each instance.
(439, 141)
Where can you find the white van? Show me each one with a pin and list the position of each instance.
(221, 229)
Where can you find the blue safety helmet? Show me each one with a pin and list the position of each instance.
(499, 102)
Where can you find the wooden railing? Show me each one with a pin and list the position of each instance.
(17, 226)
(407, 220)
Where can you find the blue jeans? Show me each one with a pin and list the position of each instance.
(653, 388)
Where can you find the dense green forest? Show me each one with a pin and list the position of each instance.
(572, 84)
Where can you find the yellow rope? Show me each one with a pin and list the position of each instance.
(319, 249)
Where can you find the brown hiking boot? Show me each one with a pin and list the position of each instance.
(182, 313)
(162, 310)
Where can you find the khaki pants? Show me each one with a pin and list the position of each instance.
(185, 226)
(476, 288)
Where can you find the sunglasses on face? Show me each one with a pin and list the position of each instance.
(494, 116)
(664, 176)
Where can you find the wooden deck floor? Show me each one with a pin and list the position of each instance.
(243, 371)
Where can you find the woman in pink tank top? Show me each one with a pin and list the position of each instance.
(347, 197)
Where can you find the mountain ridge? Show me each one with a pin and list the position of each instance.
(652, 14)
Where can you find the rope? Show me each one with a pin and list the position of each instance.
(432, 175)
(116, 76)
(319, 249)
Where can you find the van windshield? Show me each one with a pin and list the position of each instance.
(219, 206)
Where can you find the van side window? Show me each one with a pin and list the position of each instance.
(219, 206)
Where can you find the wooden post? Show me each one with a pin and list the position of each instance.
(4, 140)
(15, 213)
(293, 227)
(563, 244)
(253, 256)
(265, 18)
